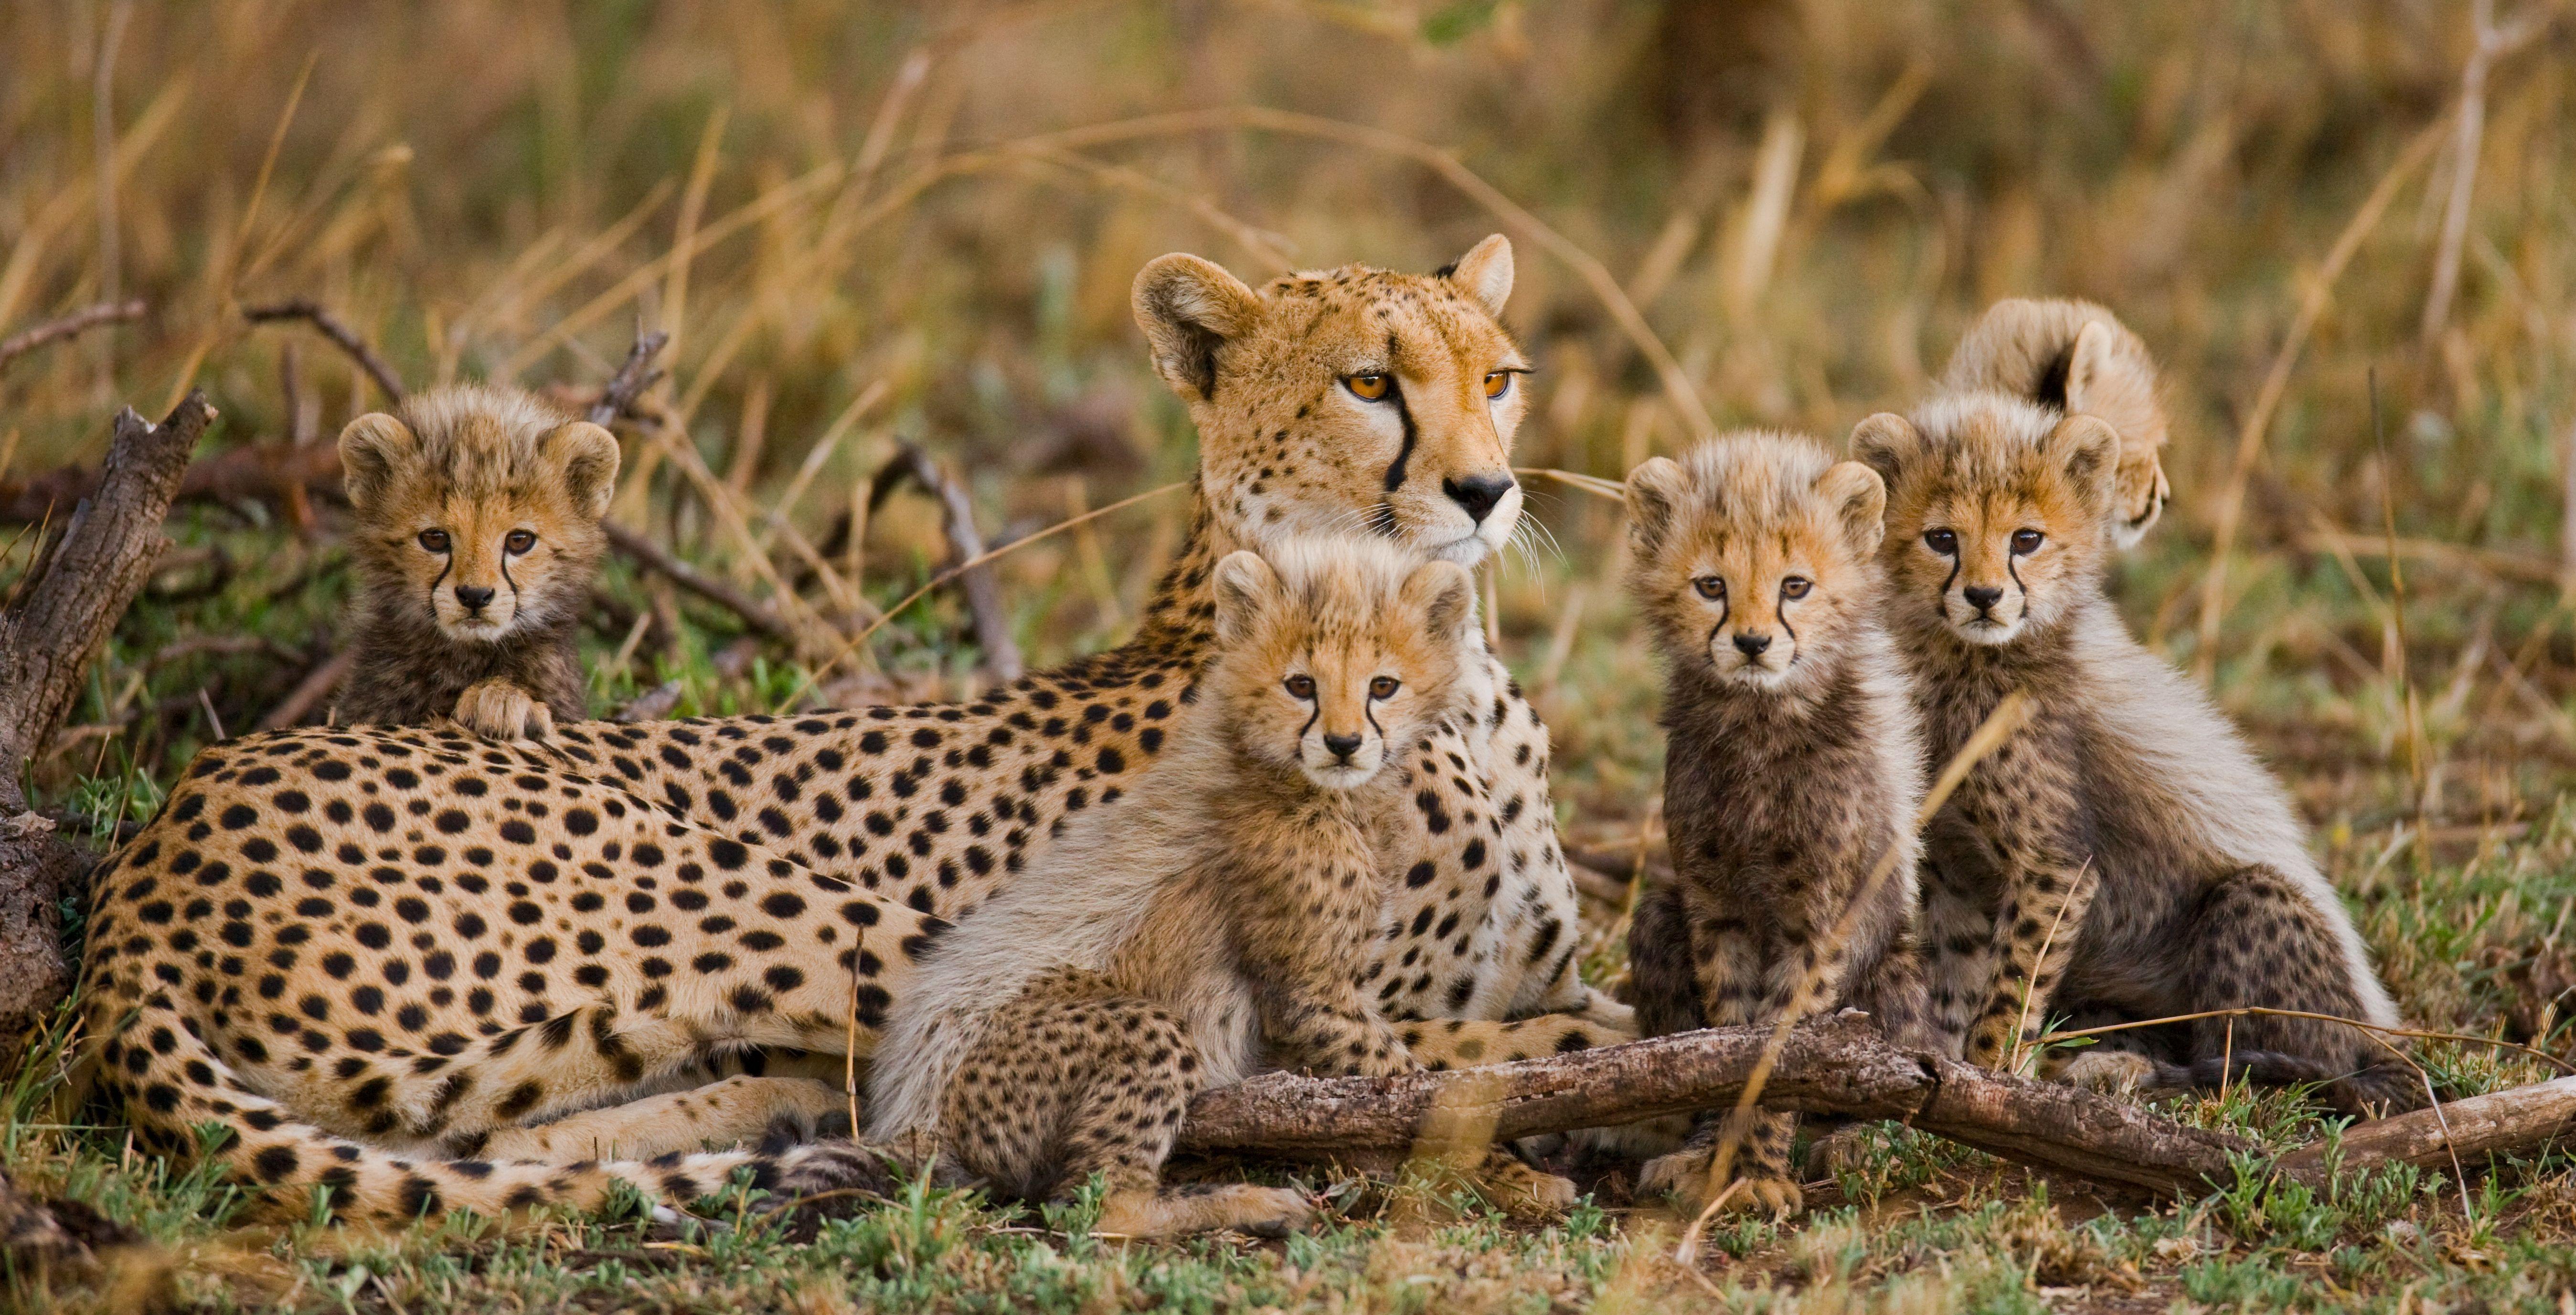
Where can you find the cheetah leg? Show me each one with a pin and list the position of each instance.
(1738, 984)
(2258, 940)
(2034, 938)
(500, 710)
(772, 1112)
(1958, 958)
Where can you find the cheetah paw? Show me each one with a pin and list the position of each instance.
(2111, 1072)
(1844, 1150)
(1684, 1175)
(497, 709)
(1527, 1193)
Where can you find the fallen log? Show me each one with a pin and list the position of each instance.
(2515, 1119)
(1837, 1065)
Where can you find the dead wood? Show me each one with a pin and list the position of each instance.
(338, 331)
(283, 475)
(318, 685)
(69, 326)
(633, 376)
(1837, 1065)
(654, 556)
(2516, 1119)
(965, 544)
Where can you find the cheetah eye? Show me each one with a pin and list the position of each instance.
(1370, 387)
(1711, 587)
(1796, 586)
(434, 540)
(1497, 383)
(2026, 542)
(1301, 687)
(518, 542)
(1384, 687)
(1944, 542)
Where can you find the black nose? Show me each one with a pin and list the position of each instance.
(474, 596)
(1478, 495)
(1983, 597)
(1752, 645)
(1343, 746)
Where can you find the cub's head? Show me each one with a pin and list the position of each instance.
(1997, 512)
(1351, 399)
(477, 509)
(2077, 358)
(1752, 554)
(1336, 653)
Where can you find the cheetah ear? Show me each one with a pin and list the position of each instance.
(1188, 308)
(1485, 272)
(2087, 448)
(373, 450)
(1245, 585)
(1446, 596)
(1654, 493)
(587, 454)
(2088, 359)
(1886, 442)
(1859, 498)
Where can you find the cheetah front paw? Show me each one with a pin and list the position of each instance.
(1684, 1175)
(1524, 1192)
(500, 710)
(2111, 1072)
(1844, 1150)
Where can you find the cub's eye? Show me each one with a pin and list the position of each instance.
(1711, 587)
(434, 540)
(1384, 687)
(1370, 387)
(2026, 542)
(1302, 687)
(1498, 383)
(1796, 586)
(1944, 542)
(518, 542)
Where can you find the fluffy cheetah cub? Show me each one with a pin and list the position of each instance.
(1792, 772)
(2076, 358)
(2123, 853)
(476, 537)
(1217, 923)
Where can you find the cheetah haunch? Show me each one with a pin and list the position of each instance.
(376, 954)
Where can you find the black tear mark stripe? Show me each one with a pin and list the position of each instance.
(1780, 610)
(1403, 413)
(505, 573)
(2012, 567)
(444, 568)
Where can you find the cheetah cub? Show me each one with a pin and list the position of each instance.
(476, 536)
(2123, 854)
(2076, 358)
(1218, 923)
(1792, 772)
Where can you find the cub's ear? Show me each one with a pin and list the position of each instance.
(1859, 498)
(587, 456)
(2088, 361)
(1886, 442)
(1245, 584)
(1189, 307)
(2088, 450)
(373, 450)
(1446, 597)
(1485, 272)
(1654, 494)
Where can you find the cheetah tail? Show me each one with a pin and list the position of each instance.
(171, 1083)
(2374, 1090)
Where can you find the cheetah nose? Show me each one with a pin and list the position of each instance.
(1478, 494)
(1343, 746)
(1752, 645)
(1983, 597)
(474, 596)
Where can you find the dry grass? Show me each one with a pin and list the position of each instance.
(893, 221)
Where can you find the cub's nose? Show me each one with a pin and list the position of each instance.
(1477, 494)
(1983, 597)
(474, 596)
(1343, 746)
(1752, 645)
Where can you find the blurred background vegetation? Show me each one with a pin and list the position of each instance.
(865, 224)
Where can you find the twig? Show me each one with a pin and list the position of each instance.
(341, 335)
(2258, 1011)
(2492, 44)
(318, 684)
(647, 553)
(631, 379)
(965, 551)
(69, 326)
(652, 705)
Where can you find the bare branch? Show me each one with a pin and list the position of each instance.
(649, 554)
(631, 379)
(341, 335)
(70, 326)
(965, 547)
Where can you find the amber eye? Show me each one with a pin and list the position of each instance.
(1796, 586)
(1711, 587)
(1944, 542)
(434, 540)
(518, 542)
(1498, 383)
(2025, 542)
(1369, 387)
(1384, 687)
(1302, 687)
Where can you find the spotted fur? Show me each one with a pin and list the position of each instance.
(362, 946)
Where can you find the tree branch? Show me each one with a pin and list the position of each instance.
(70, 326)
(631, 379)
(658, 558)
(341, 335)
(965, 544)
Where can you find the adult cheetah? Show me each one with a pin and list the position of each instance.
(428, 971)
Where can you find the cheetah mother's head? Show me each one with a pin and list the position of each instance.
(1348, 399)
